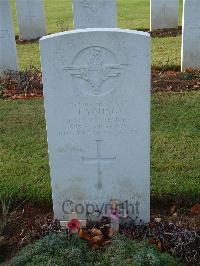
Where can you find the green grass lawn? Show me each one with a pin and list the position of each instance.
(132, 14)
(135, 14)
(166, 52)
(174, 158)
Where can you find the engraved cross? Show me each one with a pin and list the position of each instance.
(99, 160)
(164, 10)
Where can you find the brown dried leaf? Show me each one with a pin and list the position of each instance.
(97, 240)
(196, 208)
(96, 232)
(159, 245)
(84, 235)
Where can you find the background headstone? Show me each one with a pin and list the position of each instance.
(8, 54)
(94, 14)
(31, 20)
(97, 104)
(191, 35)
(164, 14)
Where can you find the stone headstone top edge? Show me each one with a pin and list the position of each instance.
(141, 33)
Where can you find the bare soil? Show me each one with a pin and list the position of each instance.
(166, 33)
(23, 227)
(19, 41)
(175, 81)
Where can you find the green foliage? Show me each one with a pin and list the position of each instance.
(175, 153)
(58, 250)
(28, 55)
(124, 251)
(24, 171)
(190, 75)
(166, 52)
(55, 250)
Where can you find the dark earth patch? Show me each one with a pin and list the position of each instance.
(19, 41)
(166, 33)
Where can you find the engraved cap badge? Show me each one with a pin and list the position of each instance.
(101, 73)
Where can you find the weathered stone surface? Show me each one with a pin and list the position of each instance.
(164, 14)
(94, 14)
(31, 19)
(8, 54)
(191, 35)
(97, 104)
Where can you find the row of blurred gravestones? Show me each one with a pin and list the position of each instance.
(98, 14)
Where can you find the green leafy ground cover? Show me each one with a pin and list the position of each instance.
(175, 149)
(58, 250)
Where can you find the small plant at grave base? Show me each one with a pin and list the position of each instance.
(62, 25)
(167, 236)
(190, 74)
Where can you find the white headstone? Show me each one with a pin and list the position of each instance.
(8, 54)
(164, 14)
(191, 34)
(94, 14)
(97, 104)
(30, 14)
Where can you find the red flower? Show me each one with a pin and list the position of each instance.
(74, 224)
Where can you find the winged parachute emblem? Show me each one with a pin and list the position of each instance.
(96, 72)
